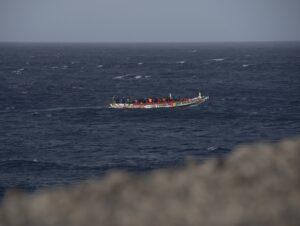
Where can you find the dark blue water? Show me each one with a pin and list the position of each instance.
(55, 127)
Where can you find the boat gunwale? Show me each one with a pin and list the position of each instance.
(171, 104)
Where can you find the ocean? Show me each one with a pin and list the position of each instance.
(56, 127)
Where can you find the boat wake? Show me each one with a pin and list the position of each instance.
(53, 109)
(67, 108)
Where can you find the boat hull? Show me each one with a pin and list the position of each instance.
(169, 104)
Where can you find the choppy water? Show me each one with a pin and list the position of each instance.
(55, 126)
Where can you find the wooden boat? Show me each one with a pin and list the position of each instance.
(150, 103)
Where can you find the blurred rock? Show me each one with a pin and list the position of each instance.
(254, 185)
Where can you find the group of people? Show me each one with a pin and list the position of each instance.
(148, 100)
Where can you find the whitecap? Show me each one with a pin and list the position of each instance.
(140, 63)
(121, 76)
(245, 65)
(100, 66)
(212, 148)
(9, 108)
(218, 59)
(19, 71)
(77, 87)
(130, 77)
(180, 62)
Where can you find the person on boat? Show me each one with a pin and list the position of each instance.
(168, 99)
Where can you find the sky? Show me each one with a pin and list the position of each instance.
(149, 20)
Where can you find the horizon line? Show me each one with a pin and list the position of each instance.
(143, 42)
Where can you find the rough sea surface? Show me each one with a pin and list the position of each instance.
(56, 127)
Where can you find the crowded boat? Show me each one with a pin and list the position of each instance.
(154, 102)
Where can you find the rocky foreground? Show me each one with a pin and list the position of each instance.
(254, 185)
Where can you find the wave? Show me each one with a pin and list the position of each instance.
(217, 150)
(19, 71)
(218, 59)
(212, 148)
(35, 165)
(26, 164)
(40, 166)
(131, 77)
(121, 76)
